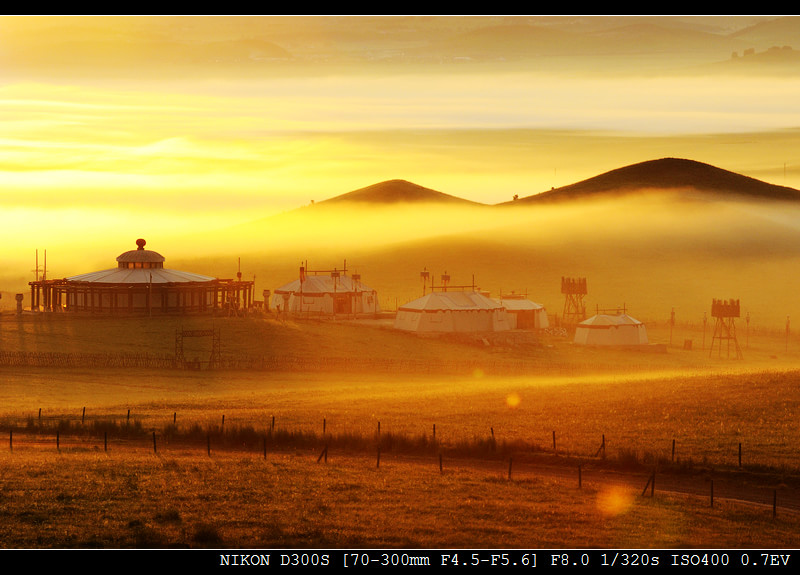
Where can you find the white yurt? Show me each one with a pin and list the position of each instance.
(452, 312)
(328, 294)
(524, 313)
(613, 330)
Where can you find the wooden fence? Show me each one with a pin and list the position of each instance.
(258, 363)
(90, 360)
(207, 442)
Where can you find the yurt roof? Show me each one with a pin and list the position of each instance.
(603, 320)
(517, 304)
(323, 284)
(454, 301)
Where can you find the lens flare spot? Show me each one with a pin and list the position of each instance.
(478, 373)
(614, 501)
(513, 400)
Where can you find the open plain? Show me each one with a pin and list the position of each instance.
(529, 442)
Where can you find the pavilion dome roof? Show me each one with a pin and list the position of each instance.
(140, 266)
(140, 254)
(139, 276)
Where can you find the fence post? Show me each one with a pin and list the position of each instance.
(651, 483)
(712, 493)
(580, 479)
(154, 442)
(774, 503)
(602, 447)
(105, 441)
(509, 468)
(740, 454)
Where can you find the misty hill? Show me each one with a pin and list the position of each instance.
(396, 191)
(525, 40)
(667, 174)
(771, 32)
(229, 45)
(105, 42)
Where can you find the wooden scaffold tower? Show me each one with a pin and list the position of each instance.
(725, 313)
(214, 359)
(574, 290)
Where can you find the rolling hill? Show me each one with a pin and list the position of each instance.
(665, 174)
(668, 174)
(395, 191)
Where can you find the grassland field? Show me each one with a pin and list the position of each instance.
(509, 399)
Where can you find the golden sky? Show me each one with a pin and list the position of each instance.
(103, 156)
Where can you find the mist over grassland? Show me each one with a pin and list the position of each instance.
(650, 251)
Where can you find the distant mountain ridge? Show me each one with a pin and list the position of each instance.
(661, 174)
(233, 45)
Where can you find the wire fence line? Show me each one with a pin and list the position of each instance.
(751, 489)
(259, 363)
(91, 360)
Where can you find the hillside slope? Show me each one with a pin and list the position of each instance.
(395, 191)
(668, 174)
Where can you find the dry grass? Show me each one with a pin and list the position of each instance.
(89, 499)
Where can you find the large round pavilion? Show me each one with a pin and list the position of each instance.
(141, 284)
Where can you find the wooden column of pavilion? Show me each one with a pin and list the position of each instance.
(63, 295)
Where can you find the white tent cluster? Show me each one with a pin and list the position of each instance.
(447, 310)
(469, 311)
